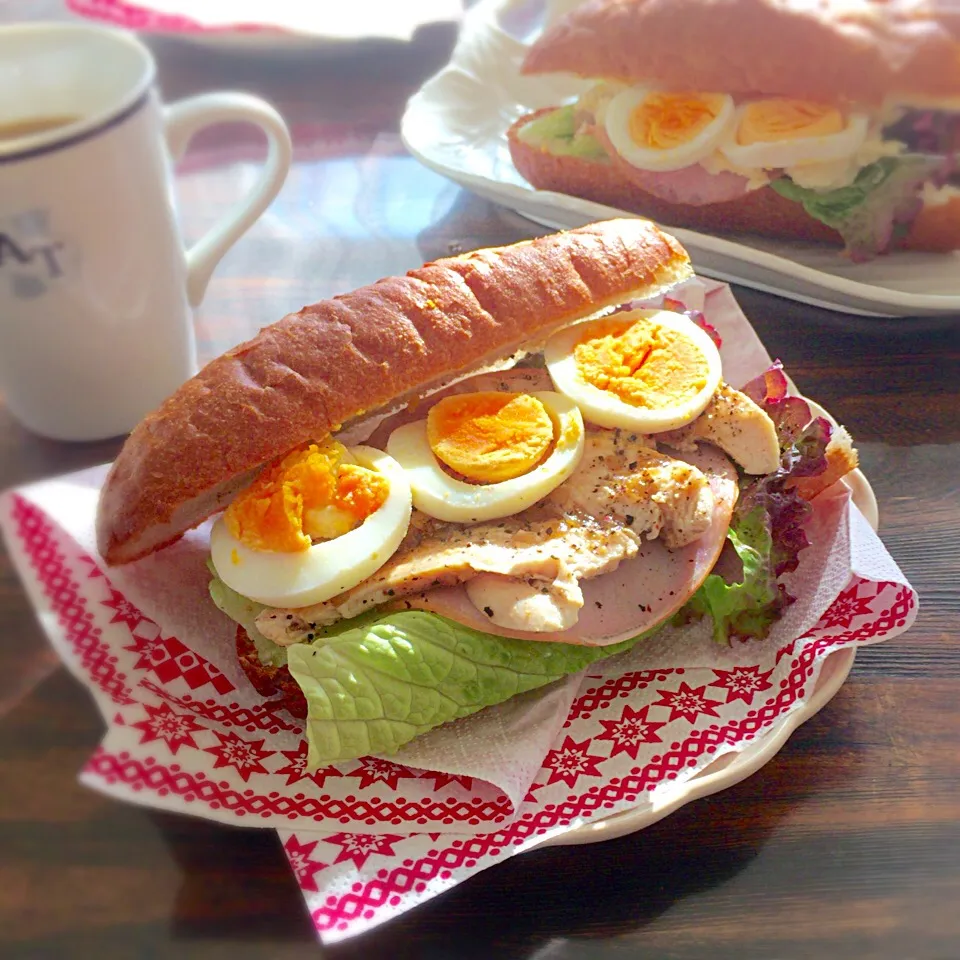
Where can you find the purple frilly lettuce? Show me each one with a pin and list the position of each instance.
(696, 316)
(767, 527)
(927, 131)
(880, 205)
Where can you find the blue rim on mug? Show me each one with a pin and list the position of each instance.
(92, 124)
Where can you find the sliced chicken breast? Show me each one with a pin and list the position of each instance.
(622, 490)
(735, 424)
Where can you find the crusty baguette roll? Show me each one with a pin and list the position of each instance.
(862, 51)
(381, 346)
(763, 212)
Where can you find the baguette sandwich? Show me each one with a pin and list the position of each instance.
(447, 488)
(834, 122)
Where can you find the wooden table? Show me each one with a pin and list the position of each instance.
(846, 845)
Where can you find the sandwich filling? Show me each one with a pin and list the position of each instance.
(863, 172)
(518, 526)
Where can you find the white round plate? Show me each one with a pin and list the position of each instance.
(731, 768)
(456, 125)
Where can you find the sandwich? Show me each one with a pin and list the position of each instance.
(447, 488)
(834, 122)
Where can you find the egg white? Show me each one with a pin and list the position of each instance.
(801, 150)
(617, 125)
(305, 577)
(605, 408)
(439, 495)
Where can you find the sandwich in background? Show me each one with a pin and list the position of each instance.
(834, 122)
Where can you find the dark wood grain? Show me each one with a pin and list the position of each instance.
(846, 845)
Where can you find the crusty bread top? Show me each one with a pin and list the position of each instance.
(861, 51)
(399, 338)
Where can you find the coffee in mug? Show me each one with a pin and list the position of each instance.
(27, 127)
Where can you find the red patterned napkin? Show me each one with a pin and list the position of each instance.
(371, 838)
(323, 21)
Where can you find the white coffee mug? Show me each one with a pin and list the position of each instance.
(96, 288)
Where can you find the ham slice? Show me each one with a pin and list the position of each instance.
(639, 594)
(693, 185)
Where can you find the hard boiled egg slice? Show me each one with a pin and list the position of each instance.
(643, 370)
(780, 133)
(508, 444)
(491, 435)
(660, 131)
(300, 577)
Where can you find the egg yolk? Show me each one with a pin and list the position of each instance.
(642, 363)
(765, 121)
(666, 120)
(490, 437)
(310, 494)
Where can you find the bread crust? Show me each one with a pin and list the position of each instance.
(842, 458)
(936, 229)
(270, 681)
(862, 51)
(384, 344)
(763, 212)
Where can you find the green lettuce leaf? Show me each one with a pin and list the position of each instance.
(747, 608)
(383, 680)
(876, 208)
(767, 530)
(556, 133)
(244, 611)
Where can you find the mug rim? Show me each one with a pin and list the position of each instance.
(127, 103)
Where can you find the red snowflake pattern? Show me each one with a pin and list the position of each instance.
(373, 769)
(441, 780)
(687, 702)
(261, 716)
(296, 769)
(150, 650)
(743, 683)
(358, 846)
(847, 606)
(303, 866)
(632, 729)
(93, 571)
(571, 762)
(164, 723)
(169, 659)
(786, 651)
(124, 611)
(246, 756)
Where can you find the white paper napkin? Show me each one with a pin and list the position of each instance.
(373, 837)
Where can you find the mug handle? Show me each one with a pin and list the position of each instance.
(185, 118)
